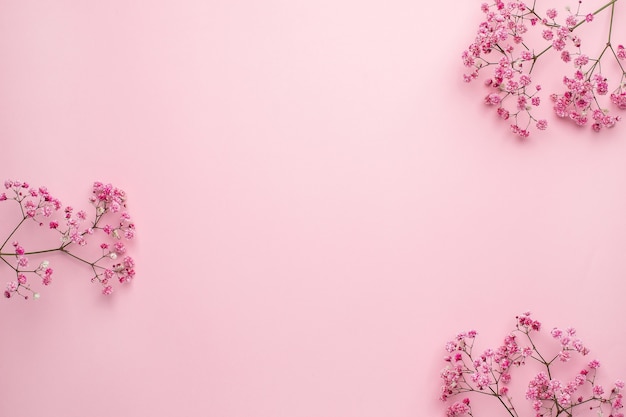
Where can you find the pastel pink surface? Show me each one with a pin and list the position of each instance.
(320, 201)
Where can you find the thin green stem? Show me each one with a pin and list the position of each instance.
(611, 3)
(541, 358)
(537, 56)
(37, 252)
(7, 262)
(12, 233)
(611, 24)
(618, 62)
(92, 264)
(512, 412)
(77, 258)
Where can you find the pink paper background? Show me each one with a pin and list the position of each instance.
(321, 203)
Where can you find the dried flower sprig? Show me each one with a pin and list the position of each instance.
(489, 373)
(506, 33)
(108, 219)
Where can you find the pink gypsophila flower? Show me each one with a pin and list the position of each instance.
(571, 21)
(581, 60)
(457, 409)
(22, 261)
(129, 262)
(619, 100)
(492, 98)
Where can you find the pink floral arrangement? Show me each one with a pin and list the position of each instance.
(36, 207)
(489, 373)
(514, 37)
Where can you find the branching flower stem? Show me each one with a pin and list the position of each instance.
(490, 373)
(513, 92)
(38, 205)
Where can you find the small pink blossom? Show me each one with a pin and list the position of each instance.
(457, 409)
(524, 80)
(19, 250)
(594, 364)
(129, 262)
(503, 113)
(571, 21)
(492, 98)
(119, 248)
(521, 103)
(559, 44)
(581, 60)
(619, 100)
(22, 261)
(564, 399)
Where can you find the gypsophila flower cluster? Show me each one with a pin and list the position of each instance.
(553, 391)
(504, 44)
(107, 221)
